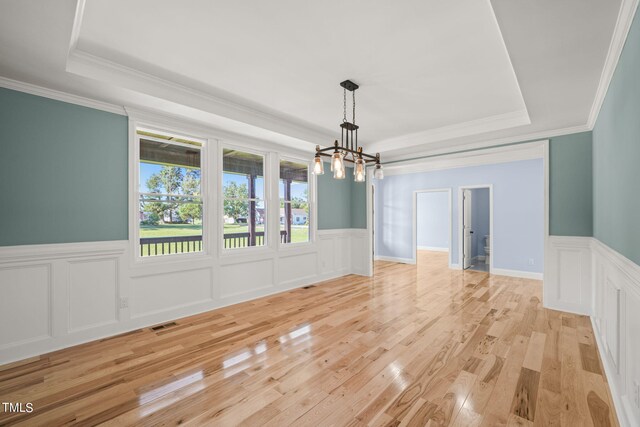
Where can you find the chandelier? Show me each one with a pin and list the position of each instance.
(347, 150)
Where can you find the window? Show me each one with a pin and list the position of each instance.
(294, 202)
(169, 195)
(244, 212)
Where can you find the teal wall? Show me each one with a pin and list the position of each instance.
(358, 204)
(63, 172)
(341, 202)
(616, 155)
(571, 185)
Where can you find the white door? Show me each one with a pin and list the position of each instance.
(466, 227)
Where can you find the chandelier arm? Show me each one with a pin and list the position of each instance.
(324, 152)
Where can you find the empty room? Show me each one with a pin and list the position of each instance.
(274, 213)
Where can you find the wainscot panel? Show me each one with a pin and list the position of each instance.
(93, 293)
(567, 276)
(25, 306)
(165, 292)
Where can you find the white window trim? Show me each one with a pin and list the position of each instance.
(267, 167)
(311, 200)
(212, 221)
(134, 196)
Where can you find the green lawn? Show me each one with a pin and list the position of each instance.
(298, 234)
(168, 230)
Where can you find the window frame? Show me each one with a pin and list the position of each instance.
(135, 193)
(311, 201)
(266, 166)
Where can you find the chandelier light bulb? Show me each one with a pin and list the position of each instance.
(318, 166)
(358, 170)
(336, 161)
(339, 173)
(378, 174)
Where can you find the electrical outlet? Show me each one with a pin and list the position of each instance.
(124, 302)
(636, 393)
(531, 261)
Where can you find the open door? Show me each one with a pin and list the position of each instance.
(466, 227)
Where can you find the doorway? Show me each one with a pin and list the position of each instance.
(432, 225)
(476, 226)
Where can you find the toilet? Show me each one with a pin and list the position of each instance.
(487, 249)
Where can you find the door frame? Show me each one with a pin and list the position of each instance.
(448, 190)
(461, 223)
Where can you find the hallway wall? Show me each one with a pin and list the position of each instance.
(518, 211)
(432, 220)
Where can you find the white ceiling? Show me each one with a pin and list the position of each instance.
(434, 75)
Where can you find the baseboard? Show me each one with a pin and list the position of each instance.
(395, 259)
(433, 248)
(517, 273)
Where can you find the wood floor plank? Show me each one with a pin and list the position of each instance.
(413, 345)
(526, 395)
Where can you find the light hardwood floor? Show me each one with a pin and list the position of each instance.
(413, 345)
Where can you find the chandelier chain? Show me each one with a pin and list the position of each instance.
(344, 106)
(354, 107)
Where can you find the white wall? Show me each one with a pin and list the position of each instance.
(585, 276)
(55, 296)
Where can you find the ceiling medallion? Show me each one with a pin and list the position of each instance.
(347, 150)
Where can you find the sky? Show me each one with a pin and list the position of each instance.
(148, 169)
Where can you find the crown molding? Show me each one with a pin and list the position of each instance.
(75, 29)
(484, 144)
(620, 32)
(96, 67)
(486, 124)
(60, 96)
(512, 153)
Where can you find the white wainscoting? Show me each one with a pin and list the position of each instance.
(585, 276)
(567, 276)
(616, 323)
(55, 296)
